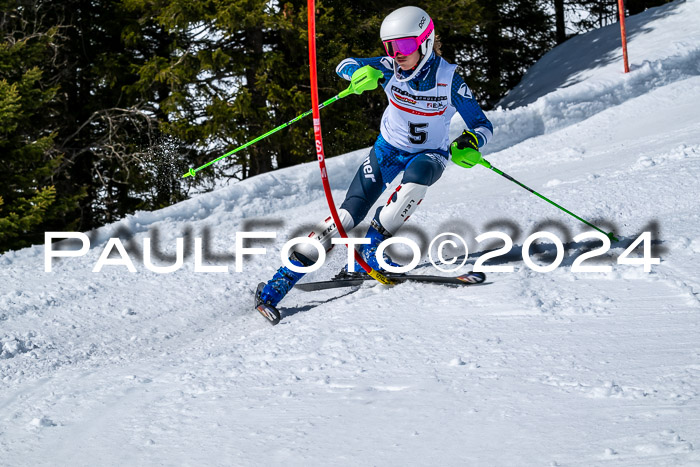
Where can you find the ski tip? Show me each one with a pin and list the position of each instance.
(269, 312)
(472, 277)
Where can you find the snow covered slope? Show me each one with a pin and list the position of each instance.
(556, 368)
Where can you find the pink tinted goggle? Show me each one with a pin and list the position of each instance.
(406, 45)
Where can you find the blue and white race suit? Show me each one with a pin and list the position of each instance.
(414, 137)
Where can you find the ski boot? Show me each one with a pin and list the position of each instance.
(268, 311)
(269, 294)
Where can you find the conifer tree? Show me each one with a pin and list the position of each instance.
(28, 197)
(510, 36)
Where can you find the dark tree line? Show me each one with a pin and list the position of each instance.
(591, 14)
(104, 104)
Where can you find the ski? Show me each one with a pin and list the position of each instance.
(344, 279)
(268, 311)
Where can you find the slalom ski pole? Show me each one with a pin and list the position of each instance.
(192, 171)
(354, 88)
(488, 165)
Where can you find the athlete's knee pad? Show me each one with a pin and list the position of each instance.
(323, 232)
(425, 169)
(400, 205)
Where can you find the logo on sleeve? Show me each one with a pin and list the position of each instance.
(465, 91)
(387, 63)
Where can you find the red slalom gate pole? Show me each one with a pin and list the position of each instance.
(623, 32)
(319, 143)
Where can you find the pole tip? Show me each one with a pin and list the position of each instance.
(612, 237)
(190, 173)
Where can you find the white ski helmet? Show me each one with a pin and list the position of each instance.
(404, 23)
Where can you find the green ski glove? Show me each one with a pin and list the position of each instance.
(465, 150)
(364, 79)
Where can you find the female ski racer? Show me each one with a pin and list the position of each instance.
(424, 93)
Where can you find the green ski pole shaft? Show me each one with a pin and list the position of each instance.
(486, 164)
(192, 172)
